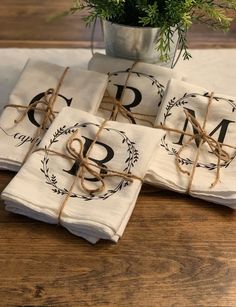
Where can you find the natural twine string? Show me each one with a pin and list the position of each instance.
(116, 107)
(204, 137)
(49, 99)
(86, 167)
(119, 108)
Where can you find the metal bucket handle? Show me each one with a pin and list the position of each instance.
(176, 58)
(93, 34)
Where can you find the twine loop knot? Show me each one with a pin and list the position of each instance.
(202, 136)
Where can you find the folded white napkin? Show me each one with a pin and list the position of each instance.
(220, 125)
(145, 86)
(80, 89)
(42, 184)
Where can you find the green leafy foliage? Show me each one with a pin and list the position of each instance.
(168, 15)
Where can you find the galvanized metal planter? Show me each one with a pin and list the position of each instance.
(135, 43)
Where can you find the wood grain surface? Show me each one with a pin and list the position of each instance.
(23, 23)
(176, 250)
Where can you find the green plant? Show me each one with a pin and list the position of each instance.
(168, 15)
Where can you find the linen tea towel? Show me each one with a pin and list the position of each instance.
(77, 88)
(93, 216)
(203, 162)
(139, 86)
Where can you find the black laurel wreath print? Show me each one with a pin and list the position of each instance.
(51, 179)
(154, 82)
(181, 102)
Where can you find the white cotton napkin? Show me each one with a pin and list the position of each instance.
(221, 125)
(41, 185)
(145, 87)
(80, 89)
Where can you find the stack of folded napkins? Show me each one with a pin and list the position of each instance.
(139, 86)
(78, 153)
(79, 88)
(42, 184)
(182, 97)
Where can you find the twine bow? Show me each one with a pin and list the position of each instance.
(86, 167)
(203, 137)
(48, 100)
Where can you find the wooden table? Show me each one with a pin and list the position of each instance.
(176, 250)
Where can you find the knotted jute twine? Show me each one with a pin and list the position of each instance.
(48, 101)
(205, 138)
(85, 166)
